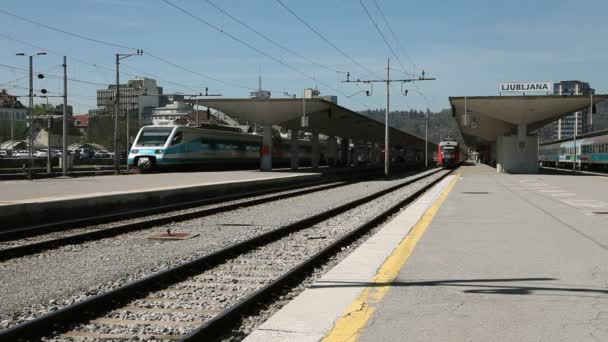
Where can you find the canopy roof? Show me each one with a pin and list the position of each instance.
(491, 116)
(325, 117)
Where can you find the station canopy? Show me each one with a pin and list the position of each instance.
(488, 117)
(324, 117)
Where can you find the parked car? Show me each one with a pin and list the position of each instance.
(104, 154)
(81, 153)
(5, 153)
(44, 154)
(22, 154)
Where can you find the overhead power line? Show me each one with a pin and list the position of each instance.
(384, 38)
(395, 38)
(273, 41)
(393, 51)
(316, 32)
(235, 38)
(66, 32)
(98, 41)
(54, 76)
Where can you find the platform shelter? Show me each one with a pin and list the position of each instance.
(503, 128)
(322, 117)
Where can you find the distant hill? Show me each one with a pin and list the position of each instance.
(441, 125)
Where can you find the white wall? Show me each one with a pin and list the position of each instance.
(513, 157)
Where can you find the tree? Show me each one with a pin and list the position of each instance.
(43, 109)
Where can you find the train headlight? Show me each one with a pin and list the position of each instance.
(135, 151)
(158, 151)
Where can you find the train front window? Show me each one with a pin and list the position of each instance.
(153, 136)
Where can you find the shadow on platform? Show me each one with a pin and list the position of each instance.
(476, 284)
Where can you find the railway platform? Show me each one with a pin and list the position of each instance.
(55, 198)
(480, 257)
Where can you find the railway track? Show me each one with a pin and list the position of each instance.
(201, 299)
(15, 233)
(32, 240)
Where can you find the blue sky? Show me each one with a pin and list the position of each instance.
(470, 46)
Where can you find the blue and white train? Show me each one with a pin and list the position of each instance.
(591, 152)
(191, 147)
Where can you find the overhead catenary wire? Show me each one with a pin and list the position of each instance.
(392, 50)
(54, 76)
(250, 46)
(318, 34)
(121, 46)
(272, 41)
(395, 38)
(98, 66)
(112, 44)
(75, 59)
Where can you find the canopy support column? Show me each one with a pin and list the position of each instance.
(331, 150)
(315, 150)
(266, 163)
(294, 149)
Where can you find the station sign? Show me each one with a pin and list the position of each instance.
(526, 87)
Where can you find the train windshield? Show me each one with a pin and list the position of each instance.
(153, 136)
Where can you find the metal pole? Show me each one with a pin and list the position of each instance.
(13, 120)
(31, 114)
(575, 129)
(426, 140)
(386, 137)
(64, 139)
(128, 141)
(48, 139)
(591, 113)
(116, 105)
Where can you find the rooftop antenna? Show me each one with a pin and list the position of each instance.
(260, 78)
(260, 94)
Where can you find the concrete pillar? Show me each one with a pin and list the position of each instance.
(522, 132)
(344, 151)
(331, 150)
(294, 149)
(316, 152)
(266, 163)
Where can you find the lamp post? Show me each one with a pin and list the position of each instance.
(120, 56)
(31, 107)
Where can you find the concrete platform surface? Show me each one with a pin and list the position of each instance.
(45, 200)
(312, 314)
(40, 190)
(505, 258)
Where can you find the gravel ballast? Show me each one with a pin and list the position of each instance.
(47, 281)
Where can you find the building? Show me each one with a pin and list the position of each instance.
(138, 97)
(41, 131)
(176, 112)
(81, 122)
(59, 110)
(13, 117)
(564, 127)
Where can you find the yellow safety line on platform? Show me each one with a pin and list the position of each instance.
(352, 322)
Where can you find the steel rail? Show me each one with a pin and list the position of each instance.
(223, 322)
(96, 305)
(96, 234)
(61, 225)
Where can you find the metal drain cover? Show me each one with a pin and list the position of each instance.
(172, 236)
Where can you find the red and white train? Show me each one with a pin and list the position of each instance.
(448, 154)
